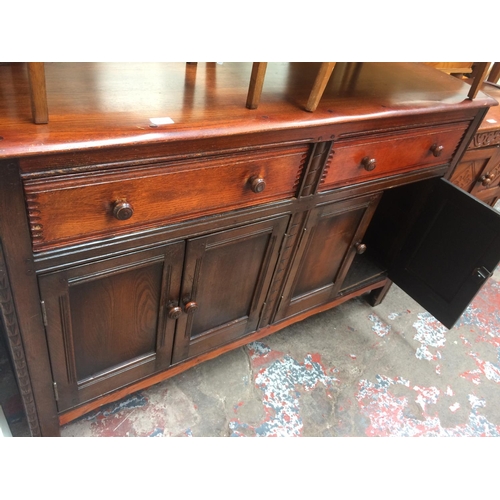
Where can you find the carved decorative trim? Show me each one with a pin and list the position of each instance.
(299, 173)
(320, 159)
(34, 218)
(11, 324)
(327, 166)
(467, 177)
(485, 139)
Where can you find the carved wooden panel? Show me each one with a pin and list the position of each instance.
(14, 341)
(484, 139)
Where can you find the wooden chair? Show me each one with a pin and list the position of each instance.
(257, 82)
(38, 92)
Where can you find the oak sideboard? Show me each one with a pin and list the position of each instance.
(155, 222)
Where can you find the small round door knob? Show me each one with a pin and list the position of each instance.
(368, 163)
(257, 184)
(122, 210)
(190, 307)
(437, 149)
(486, 179)
(360, 248)
(174, 312)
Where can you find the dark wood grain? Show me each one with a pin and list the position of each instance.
(100, 105)
(156, 246)
(38, 92)
(75, 208)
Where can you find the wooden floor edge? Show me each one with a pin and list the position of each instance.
(71, 415)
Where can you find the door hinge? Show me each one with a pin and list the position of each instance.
(56, 394)
(44, 313)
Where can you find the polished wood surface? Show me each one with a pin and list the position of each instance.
(67, 209)
(38, 92)
(100, 105)
(478, 172)
(137, 248)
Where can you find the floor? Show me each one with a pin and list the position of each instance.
(355, 370)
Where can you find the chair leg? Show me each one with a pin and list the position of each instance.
(494, 75)
(324, 73)
(256, 83)
(479, 75)
(38, 92)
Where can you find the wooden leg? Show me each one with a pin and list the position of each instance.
(38, 92)
(378, 295)
(494, 75)
(324, 73)
(480, 72)
(256, 83)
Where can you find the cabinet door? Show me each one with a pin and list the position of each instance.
(332, 237)
(487, 185)
(108, 322)
(449, 252)
(226, 278)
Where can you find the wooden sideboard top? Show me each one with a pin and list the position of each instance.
(107, 105)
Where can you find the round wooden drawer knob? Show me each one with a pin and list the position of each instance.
(190, 307)
(360, 248)
(122, 210)
(368, 163)
(257, 184)
(174, 312)
(437, 149)
(486, 179)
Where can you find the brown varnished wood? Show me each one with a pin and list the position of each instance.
(38, 92)
(479, 73)
(72, 209)
(107, 322)
(478, 170)
(207, 259)
(67, 417)
(363, 160)
(322, 78)
(240, 259)
(99, 105)
(256, 83)
(494, 74)
(25, 304)
(327, 247)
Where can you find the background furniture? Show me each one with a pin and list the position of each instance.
(478, 172)
(132, 252)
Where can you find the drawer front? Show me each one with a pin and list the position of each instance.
(72, 209)
(365, 159)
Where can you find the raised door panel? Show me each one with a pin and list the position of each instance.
(107, 323)
(331, 238)
(449, 252)
(226, 279)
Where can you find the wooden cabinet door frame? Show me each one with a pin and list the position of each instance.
(161, 265)
(195, 286)
(293, 303)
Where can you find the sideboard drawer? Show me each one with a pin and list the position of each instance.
(359, 160)
(71, 208)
